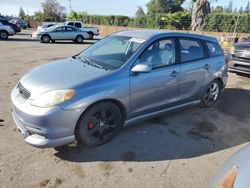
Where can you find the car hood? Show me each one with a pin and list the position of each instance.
(242, 45)
(61, 74)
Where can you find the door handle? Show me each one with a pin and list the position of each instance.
(174, 74)
(207, 66)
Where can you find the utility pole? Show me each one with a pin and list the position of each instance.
(70, 8)
(236, 25)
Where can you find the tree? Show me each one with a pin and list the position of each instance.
(53, 11)
(164, 6)
(247, 9)
(241, 10)
(200, 10)
(217, 9)
(21, 13)
(140, 19)
(230, 6)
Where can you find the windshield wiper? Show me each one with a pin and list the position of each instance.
(87, 61)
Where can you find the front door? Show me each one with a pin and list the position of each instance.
(157, 89)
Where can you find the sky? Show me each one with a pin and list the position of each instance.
(99, 7)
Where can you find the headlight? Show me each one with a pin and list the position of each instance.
(53, 98)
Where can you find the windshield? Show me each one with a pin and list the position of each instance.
(113, 51)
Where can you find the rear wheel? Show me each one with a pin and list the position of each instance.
(211, 94)
(79, 39)
(4, 35)
(45, 39)
(99, 124)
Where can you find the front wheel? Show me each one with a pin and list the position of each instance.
(99, 124)
(79, 39)
(211, 94)
(45, 39)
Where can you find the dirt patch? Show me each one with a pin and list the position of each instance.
(173, 132)
(130, 169)
(44, 183)
(201, 130)
(57, 183)
(128, 156)
(158, 121)
(106, 166)
(79, 172)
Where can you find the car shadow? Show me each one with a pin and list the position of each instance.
(11, 39)
(187, 133)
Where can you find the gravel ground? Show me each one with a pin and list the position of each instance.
(181, 149)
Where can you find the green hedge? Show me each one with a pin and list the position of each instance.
(217, 22)
(226, 22)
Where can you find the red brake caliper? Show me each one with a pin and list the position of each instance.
(91, 125)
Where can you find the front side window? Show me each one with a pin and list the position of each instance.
(191, 50)
(59, 29)
(214, 49)
(71, 23)
(113, 51)
(160, 53)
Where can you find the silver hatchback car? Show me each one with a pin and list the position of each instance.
(124, 78)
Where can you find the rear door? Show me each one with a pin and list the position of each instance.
(195, 69)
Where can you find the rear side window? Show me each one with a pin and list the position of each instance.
(191, 50)
(77, 24)
(214, 49)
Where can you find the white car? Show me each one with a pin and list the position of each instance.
(5, 29)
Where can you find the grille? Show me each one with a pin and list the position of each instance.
(24, 92)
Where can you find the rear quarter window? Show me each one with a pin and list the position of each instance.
(214, 49)
(191, 49)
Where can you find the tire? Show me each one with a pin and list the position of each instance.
(99, 124)
(4, 35)
(45, 39)
(211, 94)
(79, 39)
(91, 35)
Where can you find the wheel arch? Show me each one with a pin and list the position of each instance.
(118, 103)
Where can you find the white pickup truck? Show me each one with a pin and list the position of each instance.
(92, 31)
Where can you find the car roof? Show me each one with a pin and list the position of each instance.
(147, 34)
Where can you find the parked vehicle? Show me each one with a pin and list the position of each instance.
(16, 28)
(21, 23)
(45, 26)
(240, 57)
(92, 31)
(60, 32)
(6, 29)
(235, 172)
(126, 77)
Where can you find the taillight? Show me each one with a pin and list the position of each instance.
(226, 58)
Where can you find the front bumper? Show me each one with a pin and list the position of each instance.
(35, 36)
(239, 64)
(43, 127)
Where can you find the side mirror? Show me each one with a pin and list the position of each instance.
(142, 67)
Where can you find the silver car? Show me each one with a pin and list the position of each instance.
(60, 32)
(124, 78)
